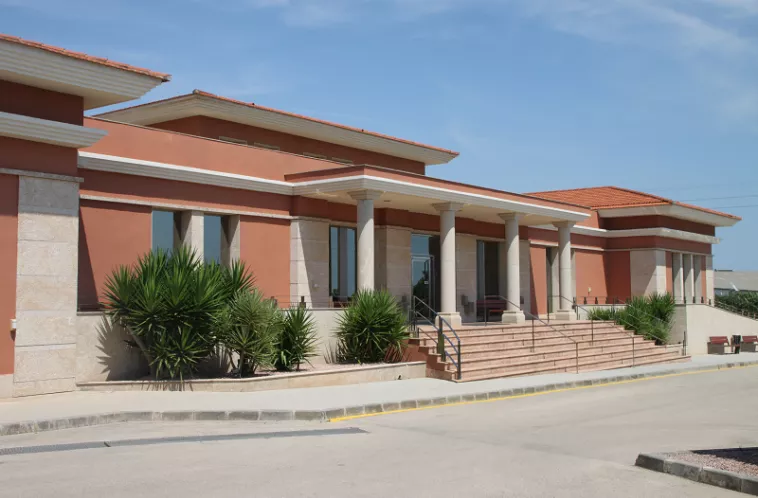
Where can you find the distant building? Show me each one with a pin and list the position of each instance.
(728, 282)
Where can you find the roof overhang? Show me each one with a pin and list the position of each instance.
(98, 84)
(48, 132)
(668, 233)
(198, 104)
(397, 194)
(672, 210)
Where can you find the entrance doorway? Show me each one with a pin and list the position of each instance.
(424, 271)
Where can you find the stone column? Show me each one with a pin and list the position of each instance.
(230, 249)
(513, 313)
(46, 286)
(710, 292)
(365, 237)
(193, 232)
(689, 278)
(566, 273)
(697, 265)
(525, 267)
(448, 308)
(678, 276)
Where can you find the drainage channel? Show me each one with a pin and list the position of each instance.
(52, 448)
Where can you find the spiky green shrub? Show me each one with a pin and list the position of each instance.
(372, 329)
(248, 329)
(167, 303)
(739, 302)
(604, 314)
(650, 316)
(297, 340)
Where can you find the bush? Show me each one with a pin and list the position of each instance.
(249, 326)
(297, 341)
(167, 304)
(650, 316)
(739, 302)
(372, 329)
(604, 314)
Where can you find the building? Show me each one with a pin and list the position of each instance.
(730, 281)
(316, 209)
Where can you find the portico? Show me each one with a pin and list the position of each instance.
(445, 213)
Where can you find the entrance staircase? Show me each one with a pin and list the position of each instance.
(501, 350)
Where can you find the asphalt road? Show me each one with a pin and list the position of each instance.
(575, 443)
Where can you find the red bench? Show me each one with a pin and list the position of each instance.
(718, 344)
(750, 343)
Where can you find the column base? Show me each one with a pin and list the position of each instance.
(565, 315)
(513, 317)
(454, 319)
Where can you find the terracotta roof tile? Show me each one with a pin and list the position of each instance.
(616, 197)
(299, 116)
(89, 58)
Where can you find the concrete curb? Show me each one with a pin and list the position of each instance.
(34, 426)
(706, 475)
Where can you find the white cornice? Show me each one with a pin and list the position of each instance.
(668, 233)
(672, 210)
(438, 194)
(98, 84)
(49, 132)
(200, 105)
(128, 166)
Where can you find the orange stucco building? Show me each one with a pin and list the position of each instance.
(317, 210)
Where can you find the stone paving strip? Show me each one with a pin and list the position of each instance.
(372, 399)
(699, 473)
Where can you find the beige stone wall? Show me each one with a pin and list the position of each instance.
(326, 326)
(648, 271)
(393, 261)
(309, 262)
(102, 354)
(710, 293)
(46, 289)
(465, 265)
(6, 386)
(702, 321)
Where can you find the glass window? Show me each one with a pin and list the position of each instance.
(488, 269)
(166, 230)
(212, 240)
(342, 263)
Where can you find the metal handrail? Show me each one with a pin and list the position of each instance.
(732, 309)
(441, 336)
(534, 318)
(633, 335)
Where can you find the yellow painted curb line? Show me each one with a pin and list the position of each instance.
(528, 395)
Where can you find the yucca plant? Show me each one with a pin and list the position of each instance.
(603, 314)
(297, 341)
(649, 316)
(249, 328)
(167, 304)
(372, 329)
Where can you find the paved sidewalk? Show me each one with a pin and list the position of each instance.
(77, 409)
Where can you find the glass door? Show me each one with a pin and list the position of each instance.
(422, 283)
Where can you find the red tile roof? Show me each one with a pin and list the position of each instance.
(78, 55)
(290, 114)
(617, 197)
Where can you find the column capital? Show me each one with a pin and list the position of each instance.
(510, 216)
(564, 224)
(365, 195)
(448, 206)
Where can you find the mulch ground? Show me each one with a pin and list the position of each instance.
(739, 460)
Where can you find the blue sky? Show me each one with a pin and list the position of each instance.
(655, 95)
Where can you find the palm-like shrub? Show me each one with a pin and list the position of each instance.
(297, 341)
(649, 316)
(167, 304)
(249, 329)
(372, 329)
(603, 314)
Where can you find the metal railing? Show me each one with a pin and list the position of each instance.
(732, 309)
(421, 313)
(535, 318)
(625, 323)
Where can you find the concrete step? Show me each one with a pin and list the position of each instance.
(550, 352)
(542, 338)
(484, 375)
(546, 345)
(567, 364)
